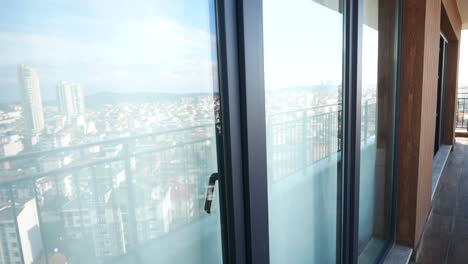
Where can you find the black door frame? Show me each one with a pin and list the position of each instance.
(441, 84)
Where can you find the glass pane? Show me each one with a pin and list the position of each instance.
(108, 116)
(303, 83)
(377, 127)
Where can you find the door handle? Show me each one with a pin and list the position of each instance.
(210, 191)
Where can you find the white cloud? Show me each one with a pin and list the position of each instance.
(155, 51)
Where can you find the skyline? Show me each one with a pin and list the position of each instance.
(122, 52)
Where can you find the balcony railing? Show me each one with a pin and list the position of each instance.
(104, 199)
(462, 111)
(99, 201)
(297, 139)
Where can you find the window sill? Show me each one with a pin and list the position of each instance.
(438, 165)
(398, 255)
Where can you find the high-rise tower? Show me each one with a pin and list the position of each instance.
(70, 98)
(30, 91)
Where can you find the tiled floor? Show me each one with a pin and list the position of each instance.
(445, 238)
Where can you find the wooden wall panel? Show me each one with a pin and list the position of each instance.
(386, 80)
(422, 23)
(410, 118)
(429, 108)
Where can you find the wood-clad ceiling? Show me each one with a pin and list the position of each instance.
(463, 7)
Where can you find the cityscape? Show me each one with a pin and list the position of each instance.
(120, 171)
(65, 211)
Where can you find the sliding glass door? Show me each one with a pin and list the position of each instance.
(378, 127)
(113, 140)
(312, 198)
(441, 83)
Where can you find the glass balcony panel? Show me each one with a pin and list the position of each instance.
(303, 92)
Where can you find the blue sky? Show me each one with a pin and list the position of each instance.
(162, 46)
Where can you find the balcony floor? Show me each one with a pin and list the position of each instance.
(445, 237)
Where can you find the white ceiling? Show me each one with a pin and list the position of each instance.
(463, 7)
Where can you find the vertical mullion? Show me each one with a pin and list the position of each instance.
(231, 182)
(252, 101)
(398, 44)
(351, 130)
(444, 88)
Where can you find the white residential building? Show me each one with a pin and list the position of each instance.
(70, 99)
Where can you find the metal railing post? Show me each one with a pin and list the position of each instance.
(39, 217)
(133, 229)
(270, 142)
(463, 117)
(80, 205)
(366, 119)
(303, 143)
(98, 206)
(464, 109)
(59, 206)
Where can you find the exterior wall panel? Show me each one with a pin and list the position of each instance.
(423, 22)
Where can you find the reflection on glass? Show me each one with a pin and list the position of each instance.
(377, 127)
(107, 132)
(303, 66)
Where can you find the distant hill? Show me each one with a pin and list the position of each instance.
(102, 98)
(99, 99)
(325, 88)
(113, 98)
(463, 89)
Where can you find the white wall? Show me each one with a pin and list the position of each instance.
(29, 230)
